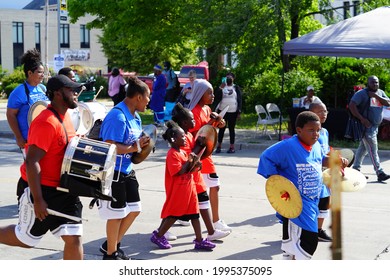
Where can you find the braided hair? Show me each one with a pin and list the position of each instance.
(173, 129)
(180, 114)
(31, 60)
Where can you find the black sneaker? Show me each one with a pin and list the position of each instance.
(115, 256)
(323, 236)
(383, 177)
(121, 253)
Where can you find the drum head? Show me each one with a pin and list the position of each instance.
(283, 196)
(352, 180)
(75, 117)
(97, 109)
(151, 131)
(86, 119)
(36, 109)
(207, 135)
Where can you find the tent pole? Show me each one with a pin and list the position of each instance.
(281, 106)
(335, 83)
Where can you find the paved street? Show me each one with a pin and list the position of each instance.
(243, 205)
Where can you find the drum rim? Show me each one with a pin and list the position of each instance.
(109, 162)
(33, 107)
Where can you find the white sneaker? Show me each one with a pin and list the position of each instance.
(218, 234)
(170, 236)
(287, 256)
(222, 226)
(184, 223)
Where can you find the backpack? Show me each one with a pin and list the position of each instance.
(95, 130)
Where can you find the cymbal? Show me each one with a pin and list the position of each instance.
(352, 181)
(348, 154)
(209, 133)
(283, 196)
(151, 131)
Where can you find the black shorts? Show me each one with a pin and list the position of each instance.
(125, 190)
(324, 203)
(203, 197)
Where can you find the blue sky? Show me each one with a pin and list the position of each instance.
(13, 4)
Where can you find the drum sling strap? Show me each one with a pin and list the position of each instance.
(27, 92)
(62, 123)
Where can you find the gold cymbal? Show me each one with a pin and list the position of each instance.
(283, 196)
(352, 181)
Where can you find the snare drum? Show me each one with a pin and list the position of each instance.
(91, 160)
(36, 109)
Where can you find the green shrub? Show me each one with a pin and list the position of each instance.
(9, 82)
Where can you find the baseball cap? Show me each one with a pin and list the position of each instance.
(310, 88)
(60, 81)
(157, 67)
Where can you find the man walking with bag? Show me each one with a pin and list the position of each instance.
(371, 119)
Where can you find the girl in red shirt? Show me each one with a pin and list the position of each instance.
(202, 96)
(185, 119)
(181, 196)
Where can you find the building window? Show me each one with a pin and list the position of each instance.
(346, 9)
(17, 37)
(356, 8)
(38, 36)
(64, 35)
(84, 37)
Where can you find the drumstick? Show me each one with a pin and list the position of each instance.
(82, 89)
(100, 89)
(59, 214)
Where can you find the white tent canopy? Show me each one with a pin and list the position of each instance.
(365, 35)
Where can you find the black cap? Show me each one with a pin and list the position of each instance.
(60, 81)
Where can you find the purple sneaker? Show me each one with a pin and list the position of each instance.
(161, 242)
(204, 245)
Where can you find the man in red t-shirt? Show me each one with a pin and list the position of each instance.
(49, 134)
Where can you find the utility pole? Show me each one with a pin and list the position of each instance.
(46, 40)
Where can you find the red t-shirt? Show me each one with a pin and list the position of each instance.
(181, 196)
(48, 134)
(202, 117)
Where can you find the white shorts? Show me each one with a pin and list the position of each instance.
(125, 191)
(211, 180)
(24, 230)
(298, 242)
(106, 212)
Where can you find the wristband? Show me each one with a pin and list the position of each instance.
(139, 149)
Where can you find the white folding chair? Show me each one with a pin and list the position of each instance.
(274, 113)
(264, 120)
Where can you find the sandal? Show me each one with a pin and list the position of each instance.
(218, 150)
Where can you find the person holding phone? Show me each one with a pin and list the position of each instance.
(230, 95)
(186, 94)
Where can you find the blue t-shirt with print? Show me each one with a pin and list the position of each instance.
(303, 168)
(121, 126)
(18, 100)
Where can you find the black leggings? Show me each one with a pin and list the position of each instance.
(231, 120)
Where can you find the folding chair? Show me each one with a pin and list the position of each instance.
(265, 120)
(274, 113)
